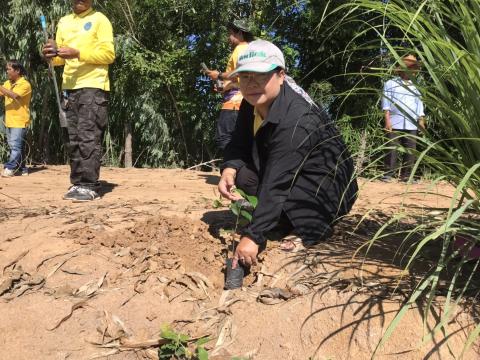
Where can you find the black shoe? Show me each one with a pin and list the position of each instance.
(386, 178)
(83, 194)
(410, 182)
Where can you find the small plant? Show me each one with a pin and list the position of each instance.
(181, 346)
(217, 203)
(240, 209)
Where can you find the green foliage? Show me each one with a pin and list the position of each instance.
(181, 347)
(157, 88)
(444, 35)
(21, 38)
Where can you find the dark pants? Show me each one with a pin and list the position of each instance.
(309, 230)
(86, 112)
(398, 139)
(225, 126)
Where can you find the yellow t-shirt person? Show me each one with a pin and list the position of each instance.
(232, 97)
(17, 111)
(91, 33)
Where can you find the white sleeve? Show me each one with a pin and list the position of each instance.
(387, 96)
(420, 107)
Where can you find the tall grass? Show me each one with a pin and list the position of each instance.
(445, 35)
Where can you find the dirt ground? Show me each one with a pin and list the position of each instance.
(100, 279)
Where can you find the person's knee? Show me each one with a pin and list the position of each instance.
(16, 146)
(247, 180)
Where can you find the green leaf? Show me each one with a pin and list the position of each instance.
(252, 200)
(217, 204)
(183, 338)
(235, 208)
(167, 333)
(202, 354)
(241, 192)
(203, 341)
(246, 215)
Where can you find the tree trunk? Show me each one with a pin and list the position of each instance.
(128, 145)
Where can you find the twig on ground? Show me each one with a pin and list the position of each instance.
(12, 238)
(11, 197)
(128, 299)
(75, 306)
(202, 164)
(54, 256)
(17, 259)
(60, 264)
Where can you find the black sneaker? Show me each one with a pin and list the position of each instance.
(69, 195)
(386, 179)
(83, 194)
(410, 182)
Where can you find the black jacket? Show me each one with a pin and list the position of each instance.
(303, 165)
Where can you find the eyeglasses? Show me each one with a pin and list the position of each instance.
(259, 78)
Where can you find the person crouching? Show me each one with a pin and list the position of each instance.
(286, 151)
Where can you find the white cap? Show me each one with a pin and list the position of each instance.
(260, 56)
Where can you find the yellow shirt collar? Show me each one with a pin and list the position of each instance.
(85, 13)
(257, 122)
(18, 81)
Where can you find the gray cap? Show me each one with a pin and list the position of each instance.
(260, 56)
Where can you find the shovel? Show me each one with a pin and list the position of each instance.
(61, 112)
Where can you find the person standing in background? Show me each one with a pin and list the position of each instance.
(404, 114)
(17, 92)
(239, 35)
(84, 46)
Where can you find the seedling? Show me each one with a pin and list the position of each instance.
(181, 346)
(242, 209)
(238, 208)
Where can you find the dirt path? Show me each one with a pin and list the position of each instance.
(150, 252)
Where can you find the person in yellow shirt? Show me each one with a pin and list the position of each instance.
(17, 92)
(239, 35)
(84, 46)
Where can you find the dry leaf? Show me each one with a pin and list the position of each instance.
(75, 306)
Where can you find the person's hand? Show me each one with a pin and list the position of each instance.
(388, 126)
(421, 123)
(226, 185)
(245, 253)
(49, 49)
(68, 53)
(213, 74)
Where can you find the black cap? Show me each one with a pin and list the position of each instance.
(240, 25)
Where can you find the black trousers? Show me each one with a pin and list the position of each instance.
(87, 112)
(308, 230)
(225, 126)
(398, 139)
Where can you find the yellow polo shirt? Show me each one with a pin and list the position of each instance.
(17, 112)
(91, 33)
(234, 101)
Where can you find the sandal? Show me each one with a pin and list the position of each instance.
(292, 243)
(273, 296)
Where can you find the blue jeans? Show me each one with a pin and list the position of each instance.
(15, 139)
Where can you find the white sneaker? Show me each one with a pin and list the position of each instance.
(83, 194)
(69, 195)
(8, 173)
